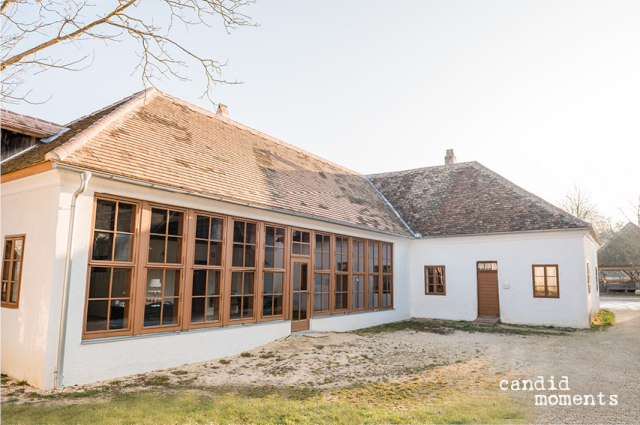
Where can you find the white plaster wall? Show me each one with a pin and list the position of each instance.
(91, 361)
(515, 254)
(30, 206)
(591, 255)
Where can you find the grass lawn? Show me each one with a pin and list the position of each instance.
(604, 319)
(272, 406)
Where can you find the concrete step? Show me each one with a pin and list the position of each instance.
(486, 321)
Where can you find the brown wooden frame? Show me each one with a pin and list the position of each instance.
(284, 270)
(341, 273)
(133, 264)
(140, 267)
(322, 272)
(426, 281)
(11, 281)
(588, 278)
(546, 289)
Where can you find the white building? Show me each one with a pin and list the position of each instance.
(153, 233)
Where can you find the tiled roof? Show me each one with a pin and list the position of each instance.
(623, 250)
(155, 137)
(25, 124)
(467, 198)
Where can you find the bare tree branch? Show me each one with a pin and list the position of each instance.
(34, 28)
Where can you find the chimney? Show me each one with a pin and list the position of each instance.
(223, 111)
(450, 158)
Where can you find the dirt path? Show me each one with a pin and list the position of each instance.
(594, 362)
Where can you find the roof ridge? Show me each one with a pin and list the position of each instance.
(535, 198)
(259, 133)
(411, 170)
(128, 104)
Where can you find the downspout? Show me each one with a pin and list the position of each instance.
(86, 175)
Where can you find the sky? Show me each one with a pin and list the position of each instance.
(545, 93)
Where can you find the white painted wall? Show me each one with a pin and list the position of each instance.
(515, 254)
(30, 206)
(90, 361)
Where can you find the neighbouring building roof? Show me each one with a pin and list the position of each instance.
(623, 250)
(467, 198)
(157, 138)
(24, 124)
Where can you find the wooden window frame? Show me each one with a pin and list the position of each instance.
(192, 267)
(133, 264)
(12, 280)
(310, 244)
(140, 267)
(362, 261)
(546, 288)
(257, 270)
(341, 273)
(426, 281)
(145, 266)
(329, 272)
(284, 270)
(388, 274)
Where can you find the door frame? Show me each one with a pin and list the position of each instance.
(300, 325)
(478, 286)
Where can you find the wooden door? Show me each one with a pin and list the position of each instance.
(488, 297)
(300, 295)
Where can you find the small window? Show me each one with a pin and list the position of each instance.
(301, 243)
(434, 280)
(12, 270)
(545, 281)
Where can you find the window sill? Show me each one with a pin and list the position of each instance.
(351, 313)
(179, 332)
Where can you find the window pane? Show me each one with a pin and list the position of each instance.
(158, 221)
(174, 250)
(236, 283)
(201, 252)
(277, 305)
(99, 282)
(199, 282)
(553, 291)
(121, 283)
(155, 277)
(238, 231)
(268, 283)
(235, 312)
(202, 232)
(317, 303)
(248, 283)
(247, 307)
(102, 246)
(119, 316)
(97, 315)
(268, 258)
(105, 214)
(538, 271)
(250, 256)
(296, 306)
(238, 250)
(305, 249)
(279, 260)
(126, 217)
(251, 233)
(215, 253)
(175, 223)
(213, 286)
(197, 310)
(270, 236)
(296, 249)
(169, 312)
(278, 279)
(318, 283)
(172, 283)
(156, 249)
(17, 249)
(124, 247)
(7, 249)
(5, 288)
(296, 276)
(13, 297)
(6, 270)
(213, 309)
(279, 237)
(216, 229)
(551, 271)
(297, 236)
(539, 291)
(267, 306)
(152, 312)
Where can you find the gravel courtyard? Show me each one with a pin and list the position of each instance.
(445, 359)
